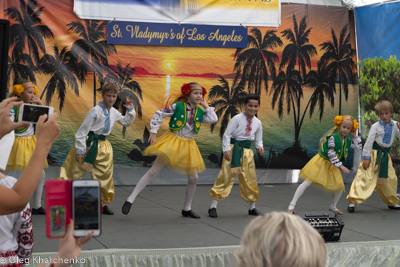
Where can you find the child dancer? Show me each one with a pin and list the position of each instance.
(16, 238)
(242, 130)
(92, 152)
(325, 167)
(177, 147)
(376, 169)
(25, 141)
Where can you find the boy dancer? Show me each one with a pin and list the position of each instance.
(95, 153)
(376, 169)
(239, 158)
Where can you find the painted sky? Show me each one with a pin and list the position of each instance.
(192, 60)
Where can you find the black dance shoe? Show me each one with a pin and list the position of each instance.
(190, 213)
(126, 207)
(393, 207)
(107, 210)
(255, 212)
(40, 211)
(213, 213)
(351, 209)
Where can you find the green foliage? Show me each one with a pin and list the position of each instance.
(380, 80)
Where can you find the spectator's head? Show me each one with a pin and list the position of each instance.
(279, 239)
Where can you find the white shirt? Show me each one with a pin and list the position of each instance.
(376, 133)
(237, 129)
(16, 227)
(95, 122)
(188, 130)
(29, 132)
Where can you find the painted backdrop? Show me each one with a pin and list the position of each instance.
(302, 70)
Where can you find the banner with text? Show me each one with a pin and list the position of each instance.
(206, 12)
(139, 33)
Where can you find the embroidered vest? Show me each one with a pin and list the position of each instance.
(179, 118)
(16, 115)
(341, 149)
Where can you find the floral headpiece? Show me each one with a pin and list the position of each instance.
(186, 89)
(339, 119)
(18, 89)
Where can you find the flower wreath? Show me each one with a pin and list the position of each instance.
(18, 89)
(338, 120)
(186, 89)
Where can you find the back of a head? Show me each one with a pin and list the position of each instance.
(279, 239)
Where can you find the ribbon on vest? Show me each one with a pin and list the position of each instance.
(91, 151)
(237, 154)
(383, 158)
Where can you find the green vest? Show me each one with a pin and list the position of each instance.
(16, 115)
(341, 149)
(179, 118)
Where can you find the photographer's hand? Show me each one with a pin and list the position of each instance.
(7, 125)
(70, 246)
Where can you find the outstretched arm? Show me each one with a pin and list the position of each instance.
(15, 199)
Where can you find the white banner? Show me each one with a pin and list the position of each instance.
(265, 13)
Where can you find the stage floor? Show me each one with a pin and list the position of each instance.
(155, 220)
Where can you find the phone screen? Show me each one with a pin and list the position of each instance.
(33, 112)
(86, 208)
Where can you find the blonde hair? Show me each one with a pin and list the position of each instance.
(383, 105)
(19, 88)
(109, 87)
(279, 239)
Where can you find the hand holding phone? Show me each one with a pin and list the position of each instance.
(31, 113)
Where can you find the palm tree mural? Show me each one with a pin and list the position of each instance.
(298, 51)
(128, 89)
(227, 101)
(257, 61)
(339, 54)
(62, 67)
(323, 83)
(92, 49)
(27, 29)
(22, 66)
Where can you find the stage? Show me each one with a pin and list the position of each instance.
(155, 234)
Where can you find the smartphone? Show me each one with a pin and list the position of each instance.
(86, 207)
(31, 113)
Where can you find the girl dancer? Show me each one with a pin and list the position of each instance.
(25, 141)
(177, 147)
(325, 167)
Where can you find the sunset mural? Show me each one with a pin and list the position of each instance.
(159, 71)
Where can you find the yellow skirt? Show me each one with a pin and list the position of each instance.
(323, 172)
(21, 153)
(179, 153)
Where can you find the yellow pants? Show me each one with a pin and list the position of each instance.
(102, 170)
(247, 179)
(367, 180)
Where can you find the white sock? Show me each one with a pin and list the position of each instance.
(299, 192)
(352, 205)
(190, 190)
(396, 206)
(37, 195)
(252, 205)
(150, 174)
(335, 199)
(214, 204)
